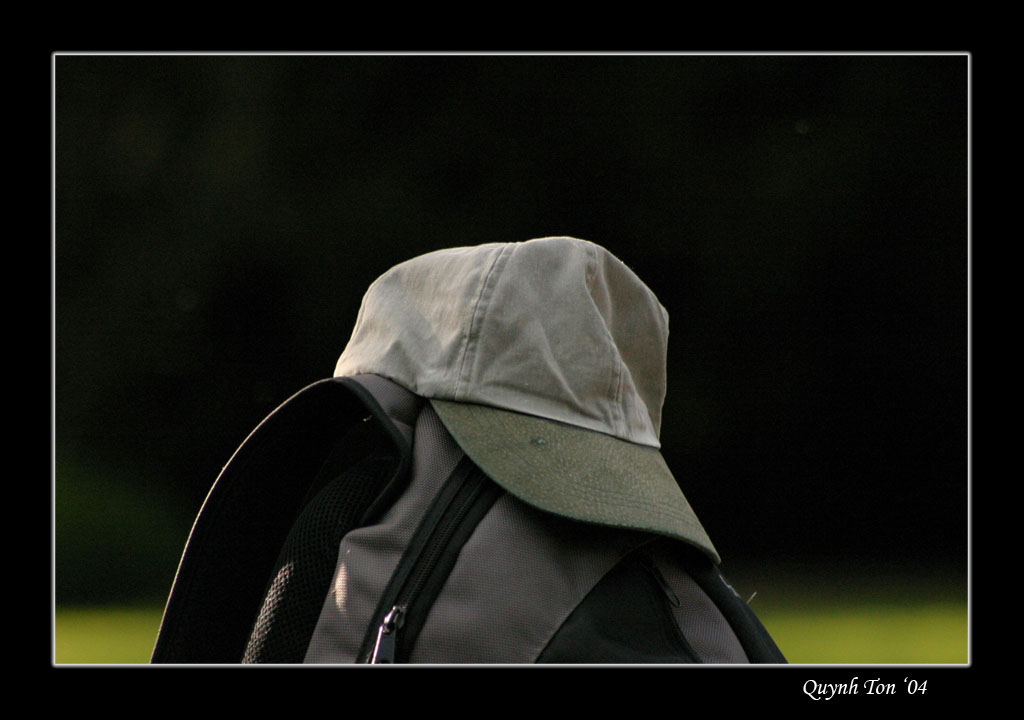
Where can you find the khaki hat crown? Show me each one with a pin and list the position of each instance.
(546, 360)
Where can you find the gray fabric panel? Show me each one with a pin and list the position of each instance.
(700, 620)
(368, 556)
(485, 615)
(399, 404)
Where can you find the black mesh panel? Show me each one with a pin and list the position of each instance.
(303, 573)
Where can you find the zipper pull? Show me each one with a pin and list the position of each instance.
(384, 648)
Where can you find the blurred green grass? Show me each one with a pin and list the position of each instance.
(869, 634)
(884, 613)
(103, 635)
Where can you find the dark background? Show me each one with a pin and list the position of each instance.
(803, 218)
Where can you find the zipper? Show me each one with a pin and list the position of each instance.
(464, 499)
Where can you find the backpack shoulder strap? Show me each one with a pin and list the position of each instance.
(332, 438)
(753, 636)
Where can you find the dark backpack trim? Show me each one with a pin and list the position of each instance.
(247, 516)
(625, 619)
(756, 641)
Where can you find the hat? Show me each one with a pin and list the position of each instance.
(546, 360)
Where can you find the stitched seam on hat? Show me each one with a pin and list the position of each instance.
(479, 309)
(618, 419)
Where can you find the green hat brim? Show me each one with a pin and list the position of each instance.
(574, 472)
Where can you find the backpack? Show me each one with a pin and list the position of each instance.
(350, 527)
